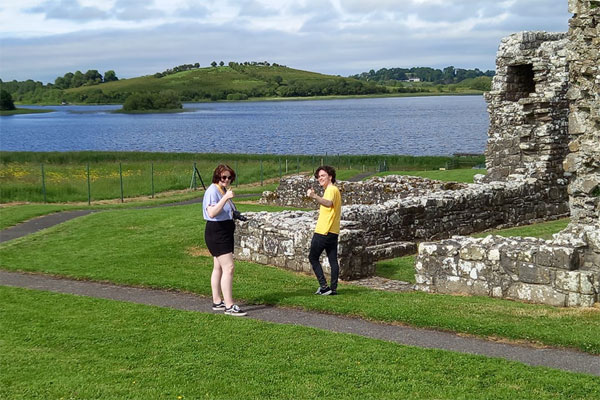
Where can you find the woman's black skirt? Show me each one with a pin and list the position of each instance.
(218, 236)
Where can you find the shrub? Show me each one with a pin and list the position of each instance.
(6, 101)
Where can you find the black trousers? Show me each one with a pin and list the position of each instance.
(328, 243)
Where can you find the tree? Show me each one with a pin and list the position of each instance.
(110, 76)
(60, 83)
(221, 63)
(92, 77)
(213, 64)
(6, 101)
(78, 79)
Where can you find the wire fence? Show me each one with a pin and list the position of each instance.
(76, 182)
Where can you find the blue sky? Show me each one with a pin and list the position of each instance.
(43, 39)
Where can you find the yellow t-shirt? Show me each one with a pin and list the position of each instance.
(329, 217)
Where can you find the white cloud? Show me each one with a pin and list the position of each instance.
(44, 39)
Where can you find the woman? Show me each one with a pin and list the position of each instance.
(218, 235)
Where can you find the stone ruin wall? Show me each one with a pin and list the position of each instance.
(583, 162)
(528, 109)
(371, 232)
(564, 271)
(291, 191)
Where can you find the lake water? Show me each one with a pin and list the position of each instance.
(403, 125)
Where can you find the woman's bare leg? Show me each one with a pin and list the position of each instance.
(215, 281)
(227, 267)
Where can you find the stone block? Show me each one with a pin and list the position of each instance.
(536, 294)
(568, 281)
(580, 300)
(472, 253)
(588, 283)
(531, 273)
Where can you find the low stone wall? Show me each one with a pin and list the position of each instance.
(283, 239)
(528, 269)
(291, 191)
(373, 232)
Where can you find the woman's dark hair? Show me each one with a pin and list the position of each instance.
(330, 171)
(219, 170)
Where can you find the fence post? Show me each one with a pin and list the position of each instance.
(237, 180)
(121, 177)
(152, 177)
(298, 164)
(194, 184)
(43, 183)
(280, 168)
(89, 185)
(286, 165)
(261, 173)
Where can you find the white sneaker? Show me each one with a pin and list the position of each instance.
(235, 311)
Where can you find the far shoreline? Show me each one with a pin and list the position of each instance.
(271, 99)
(19, 111)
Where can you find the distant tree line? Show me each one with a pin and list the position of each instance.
(77, 79)
(425, 74)
(214, 64)
(31, 91)
(179, 68)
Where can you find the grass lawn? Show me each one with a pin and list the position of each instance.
(163, 247)
(57, 346)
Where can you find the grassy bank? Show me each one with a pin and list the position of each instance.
(64, 176)
(62, 346)
(23, 111)
(164, 248)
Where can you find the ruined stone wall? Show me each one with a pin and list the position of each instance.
(528, 108)
(583, 162)
(291, 191)
(373, 232)
(564, 271)
(526, 269)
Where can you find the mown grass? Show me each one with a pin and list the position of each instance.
(164, 248)
(63, 177)
(57, 346)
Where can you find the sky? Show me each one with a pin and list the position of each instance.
(44, 39)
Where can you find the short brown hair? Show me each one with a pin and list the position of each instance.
(330, 171)
(219, 170)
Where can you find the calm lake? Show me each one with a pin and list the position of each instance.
(403, 125)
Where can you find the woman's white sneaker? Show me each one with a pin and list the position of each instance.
(235, 311)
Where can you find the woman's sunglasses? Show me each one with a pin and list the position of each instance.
(225, 178)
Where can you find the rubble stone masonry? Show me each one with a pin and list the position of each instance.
(564, 271)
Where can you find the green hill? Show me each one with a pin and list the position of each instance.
(237, 82)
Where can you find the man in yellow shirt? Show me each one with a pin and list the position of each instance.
(327, 230)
